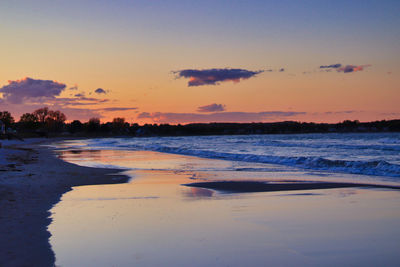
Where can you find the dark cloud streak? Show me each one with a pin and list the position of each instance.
(333, 66)
(345, 69)
(215, 76)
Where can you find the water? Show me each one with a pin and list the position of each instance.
(155, 220)
(366, 154)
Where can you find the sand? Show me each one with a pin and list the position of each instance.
(32, 180)
(255, 186)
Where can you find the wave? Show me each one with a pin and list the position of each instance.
(385, 147)
(224, 148)
(380, 168)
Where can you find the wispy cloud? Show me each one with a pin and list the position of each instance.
(340, 112)
(69, 101)
(215, 76)
(332, 66)
(116, 109)
(352, 68)
(211, 108)
(161, 117)
(341, 68)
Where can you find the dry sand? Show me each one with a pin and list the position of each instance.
(32, 180)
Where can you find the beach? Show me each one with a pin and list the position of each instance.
(32, 180)
(70, 204)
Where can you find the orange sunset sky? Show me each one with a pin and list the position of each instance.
(202, 61)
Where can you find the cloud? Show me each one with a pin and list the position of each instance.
(160, 117)
(144, 115)
(333, 66)
(345, 69)
(81, 101)
(28, 91)
(29, 94)
(215, 76)
(211, 108)
(100, 91)
(115, 109)
(85, 114)
(27, 88)
(352, 68)
(341, 112)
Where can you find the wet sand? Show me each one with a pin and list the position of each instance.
(32, 180)
(254, 186)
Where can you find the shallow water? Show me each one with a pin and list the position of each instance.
(375, 154)
(155, 221)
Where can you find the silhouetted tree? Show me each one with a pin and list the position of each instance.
(75, 126)
(28, 121)
(6, 118)
(93, 124)
(41, 114)
(50, 120)
(55, 120)
(118, 124)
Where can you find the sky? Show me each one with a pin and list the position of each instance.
(202, 61)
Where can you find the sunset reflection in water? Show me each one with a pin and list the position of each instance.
(155, 221)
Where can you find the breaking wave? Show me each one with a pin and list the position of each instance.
(366, 154)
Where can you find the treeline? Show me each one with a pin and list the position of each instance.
(286, 127)
(46, 122)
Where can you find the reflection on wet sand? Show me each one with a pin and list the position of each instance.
(195, 192)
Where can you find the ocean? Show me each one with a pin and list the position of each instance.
(366, 154)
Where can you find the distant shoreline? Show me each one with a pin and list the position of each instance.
(108, 129)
